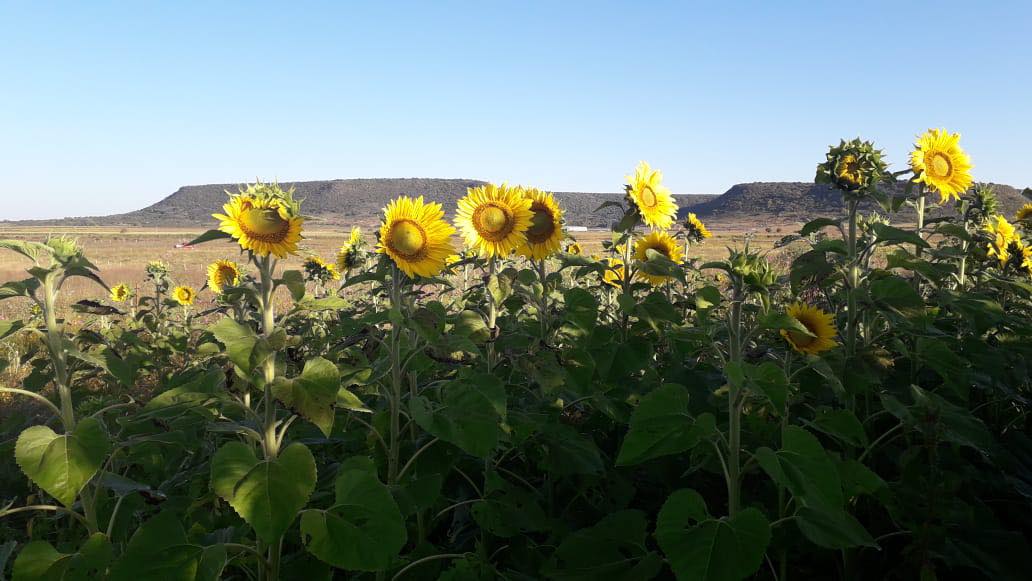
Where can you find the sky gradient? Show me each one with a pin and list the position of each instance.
(109, 107)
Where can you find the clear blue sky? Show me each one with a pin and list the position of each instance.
(108, 107)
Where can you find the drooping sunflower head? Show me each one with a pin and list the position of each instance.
(1023, 252)
(156, 269)
(415, 236)
(663, 244)
(318, 270)
(1024, 214)
(545, 235)
(184, 295)
(223, 274)
(355, 238)
(264, 219)
(121, 292)
(852, 166)
(650, 197)
(575, 249)
(494, 219)
(940, 163)
(615, 272)
(695, 231)
(1001, 234)
(820, 324)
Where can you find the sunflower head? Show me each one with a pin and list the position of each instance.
(694, 230)
(223, 274)
(820, 324)
(1001, 235)
(650, 198)
(63, 248)
(494, 219)
(318, 270)
(156, 269)
(575, 249)
(121, 292)
(940, 163)
(1024, 214)
(184, 295)
(660, 242)
(853, 166)
(415, 236)
(545, 235)
(615, 272)
(750, 270)
(264, 219)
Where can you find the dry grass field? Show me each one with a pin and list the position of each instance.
(122, 253)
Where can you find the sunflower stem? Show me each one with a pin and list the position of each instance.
(542, 270)
(852, 282)
(492, 311)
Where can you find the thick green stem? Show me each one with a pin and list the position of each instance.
(852, 281)
(734, 409)
(626, 282)
(396, 382)
(543, 306)
(270, 441)
(492, 312)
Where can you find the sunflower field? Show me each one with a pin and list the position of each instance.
(483, 400)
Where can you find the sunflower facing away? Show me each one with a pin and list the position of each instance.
(663, 243)
(222, 274)
(1024, 214)
(350, 252)
(940, 163)
(615, 272)
(545, 235)
(317, 269)
(817, 322)
(415, 236)
(494, 219)
(263, 219)
(1001, 234)
(184, 295)
(694, 229)
(121, 292)
(654, 201)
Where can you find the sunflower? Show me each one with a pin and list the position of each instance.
(663, 243)
(694, 229)
(615, 272)
(575, 249)
(1024, 214)
(494, 219)
(184, 295)
(221, 274)
(853, 167)
(350, 252)
(818, 323)
(121, 292)
(653, 200)
(545, 235)
(1024, 252)
(940, 163)
(415, 236)
(1001, 234)
(263, 219)
(317, 269)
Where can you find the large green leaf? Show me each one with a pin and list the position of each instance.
(269, 493)
(40, 561)
(363, 530)
(468, 414)
(62, 464)
(802, 466)
(313, 394)
(832, 529)
(239, 340)
(614, 548)
(700, 547)
(160, 550)
(661, 425)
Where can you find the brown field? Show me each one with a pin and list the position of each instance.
(121, 253)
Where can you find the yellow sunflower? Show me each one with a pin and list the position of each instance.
(1025, 253)
(494, 219)
(121, 292)
(222, 274)
(545, 235)
(415, 236)
(184, 295)
(1024, 214)
(817, 322)
(695, 229)
(940, 163)
(1001, 234)
(318, 269)
(574, 249)
(654, 201)
(263, 219)
(615, 272)
(355, 238)
(663, 243)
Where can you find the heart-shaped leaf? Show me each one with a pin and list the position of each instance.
(62, 464)
(269, 493)
(160, 550)
(40, 561)
(312, 395)
(661, 425)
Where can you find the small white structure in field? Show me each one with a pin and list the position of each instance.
(577, 228)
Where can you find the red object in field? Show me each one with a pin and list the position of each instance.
(184, 246)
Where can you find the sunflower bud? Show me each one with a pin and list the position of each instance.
(853, 166)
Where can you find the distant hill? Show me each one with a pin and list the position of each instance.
(349, 201)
